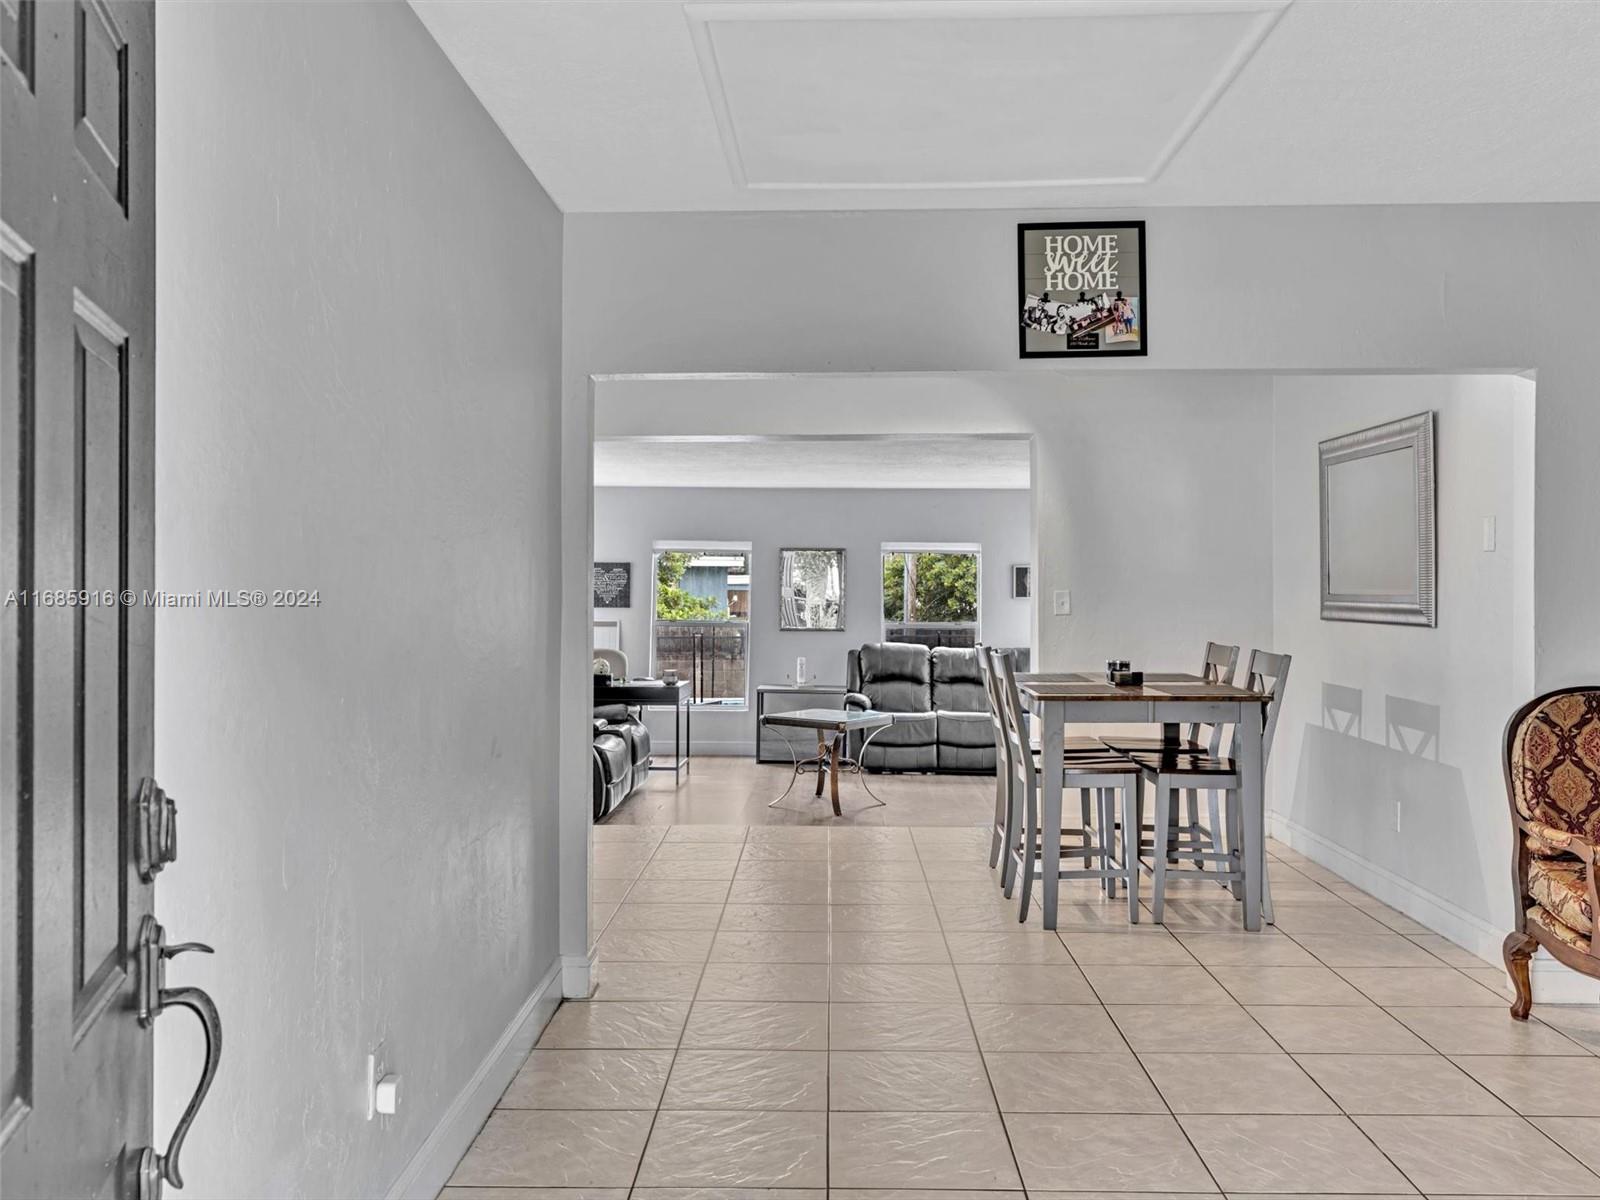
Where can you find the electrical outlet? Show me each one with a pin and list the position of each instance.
(1063, 603)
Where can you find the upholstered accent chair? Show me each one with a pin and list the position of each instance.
(1552, 765)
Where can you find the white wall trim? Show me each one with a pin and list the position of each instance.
(431, 1166)
(1552, 982)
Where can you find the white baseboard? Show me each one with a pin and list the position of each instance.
(1552, 982)
(431, 1166)
(577, 975)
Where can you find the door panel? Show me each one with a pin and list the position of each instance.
(77, 231)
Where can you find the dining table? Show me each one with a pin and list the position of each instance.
(1169, 700)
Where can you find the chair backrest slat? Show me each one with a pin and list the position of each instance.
(1020, 753)
(1268, 674)
(1219, 666)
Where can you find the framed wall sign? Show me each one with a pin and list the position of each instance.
(1377, 524)
(613, 585)
(1080, 289)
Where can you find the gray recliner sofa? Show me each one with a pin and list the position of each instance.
(938, 701)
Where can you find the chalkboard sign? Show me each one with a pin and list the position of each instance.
(613, 585)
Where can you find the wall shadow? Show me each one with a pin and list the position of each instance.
(1341, 709)
(1353, 792)
(1411, 726)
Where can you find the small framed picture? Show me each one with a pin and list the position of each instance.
(1020, 581)
(1080, 289)
(613, 585)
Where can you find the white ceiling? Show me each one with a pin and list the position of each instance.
(849, 104)
(812, 462)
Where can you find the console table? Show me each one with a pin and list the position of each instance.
(652, 693)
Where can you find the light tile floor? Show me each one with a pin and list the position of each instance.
(856, 1011)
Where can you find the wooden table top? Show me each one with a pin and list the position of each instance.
(1092, 685)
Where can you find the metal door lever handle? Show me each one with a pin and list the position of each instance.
(154, 999)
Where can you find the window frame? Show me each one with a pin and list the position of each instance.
(975, 549)
(708, 546)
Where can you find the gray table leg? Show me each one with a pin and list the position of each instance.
(1252, 805)
(1050, 756)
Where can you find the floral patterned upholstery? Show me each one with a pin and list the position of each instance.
(1555, 769)
(1542, 918)
(1561, 886)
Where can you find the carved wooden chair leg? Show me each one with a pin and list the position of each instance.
(1519, 949)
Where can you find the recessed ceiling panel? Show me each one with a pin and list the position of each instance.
(966, 95)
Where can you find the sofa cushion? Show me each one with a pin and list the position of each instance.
(1561, 885)
(957, 681)
(971, 730)
(895, 677)
(909, 729)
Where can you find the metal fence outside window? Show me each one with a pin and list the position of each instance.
(713, 656)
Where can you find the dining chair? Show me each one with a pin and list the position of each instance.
(1001, 834)
(1090, 770)
(1172, 772)
(1007, 818)
(1218, 665)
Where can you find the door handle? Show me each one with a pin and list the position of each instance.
(154, 999)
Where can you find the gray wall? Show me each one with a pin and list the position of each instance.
(629, 521)
(360, 293)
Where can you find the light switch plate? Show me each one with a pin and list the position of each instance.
(1488, 535)
(1063, 603)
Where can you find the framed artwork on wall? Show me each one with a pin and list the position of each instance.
(811, 590)
(1377, 499)
(1081, 289)
(1021, 581)
(613, 585)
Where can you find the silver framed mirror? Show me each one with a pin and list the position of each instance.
(1377, 496)
(811, 590)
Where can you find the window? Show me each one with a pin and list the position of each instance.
(930, 595)
(702, 620)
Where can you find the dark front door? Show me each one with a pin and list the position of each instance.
(77, 278)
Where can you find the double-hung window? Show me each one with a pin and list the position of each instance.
(702, 619)
(930, 594)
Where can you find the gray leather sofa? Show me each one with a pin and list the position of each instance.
(940, 708)
(621, 757)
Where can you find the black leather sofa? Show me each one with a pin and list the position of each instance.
(937, 697)
(621, 756)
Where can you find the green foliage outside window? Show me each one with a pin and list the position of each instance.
(673, 603)
(943, 587)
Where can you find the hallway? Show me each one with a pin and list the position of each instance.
(855, 1009)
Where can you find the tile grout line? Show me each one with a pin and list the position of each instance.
(644, 1147)
(966, 1009)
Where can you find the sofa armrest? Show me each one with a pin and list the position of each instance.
(856, 702)
(1558, 840)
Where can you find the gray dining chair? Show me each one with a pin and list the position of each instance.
(1218, 665)
(1172, 771)
(1090, 770)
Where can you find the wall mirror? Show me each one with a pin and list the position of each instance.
(811, 589)
(1377, 524)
